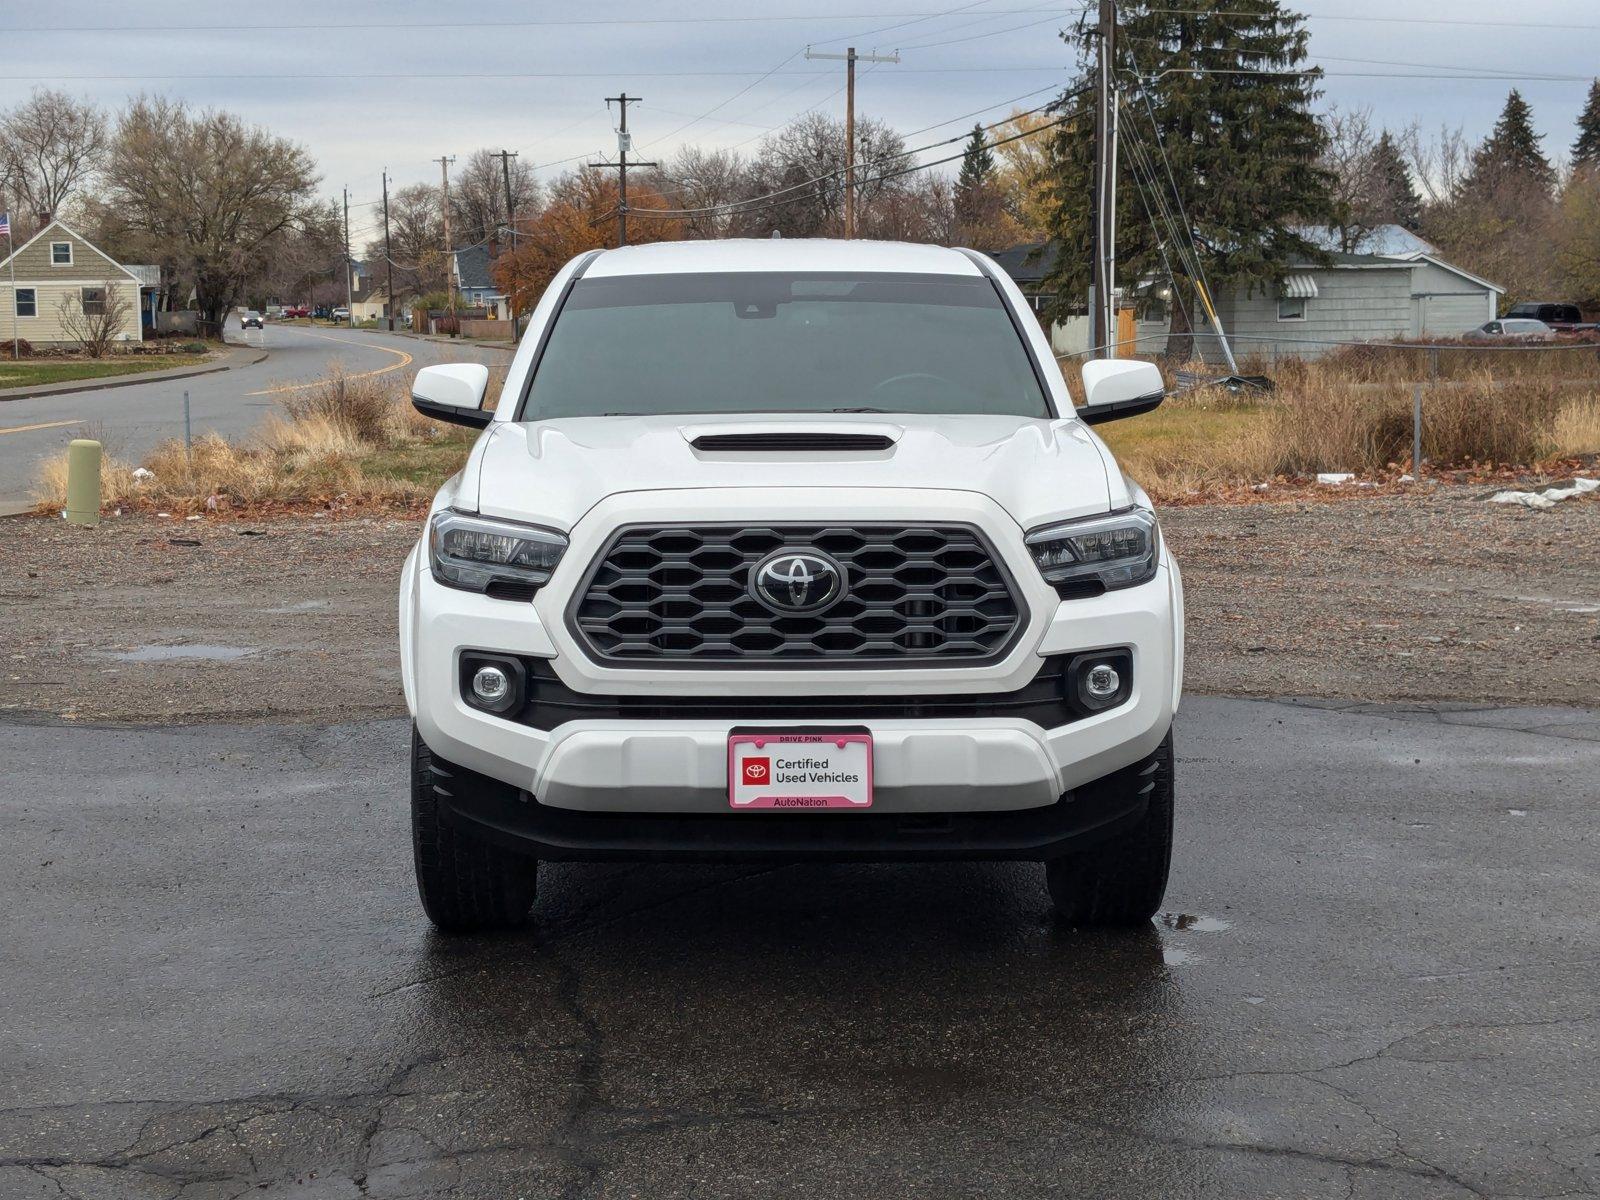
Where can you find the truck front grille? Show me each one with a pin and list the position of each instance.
(918, 595)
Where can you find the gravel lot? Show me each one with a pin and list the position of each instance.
(1407, 598)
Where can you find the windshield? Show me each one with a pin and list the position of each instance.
(760, 342)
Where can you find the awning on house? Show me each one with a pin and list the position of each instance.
(1299, 287)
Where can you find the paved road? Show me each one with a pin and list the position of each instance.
(1377, 979)
(131, 420)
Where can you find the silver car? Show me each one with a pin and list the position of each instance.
(1512, 329)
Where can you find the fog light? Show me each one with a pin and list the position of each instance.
(490, 686)
(1102, 682)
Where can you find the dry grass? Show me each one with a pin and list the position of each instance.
(1345, 415)
(341, 443)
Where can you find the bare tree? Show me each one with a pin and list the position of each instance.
(1439, 161)
(49, 147)
(1349, 158)
(703, 179)
(206, 191)
(416, 241)
(804, 161)
(478, 197)
(94, 317)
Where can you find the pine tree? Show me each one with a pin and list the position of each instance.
(979, 200)
(1395, 199)
(1223, 135)
(977, 162)
(1586, 150)
(1512, 151)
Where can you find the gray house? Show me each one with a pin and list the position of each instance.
(475, 281)
(1403, 290)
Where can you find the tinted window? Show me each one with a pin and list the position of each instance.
(760, 342)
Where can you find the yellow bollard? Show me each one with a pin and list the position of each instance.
(83, 482)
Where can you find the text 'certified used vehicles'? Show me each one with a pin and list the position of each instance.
(789, 550)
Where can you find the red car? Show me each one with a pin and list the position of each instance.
(290, 313)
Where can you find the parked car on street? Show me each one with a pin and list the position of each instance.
(790, 550)
(294, 311)
(341, 313)
(1560, 317)
(251, 319)
(1511, 329)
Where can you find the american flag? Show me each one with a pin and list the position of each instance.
(5, 224)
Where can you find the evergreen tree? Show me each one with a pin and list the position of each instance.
(1512, 151)
(1229, 109)
(1395, 199)
(977, 163)
(1586, 150)
(979, 203)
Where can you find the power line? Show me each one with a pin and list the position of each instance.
(386, 26)
(772, 199)
(1245, 14)
(331, 77)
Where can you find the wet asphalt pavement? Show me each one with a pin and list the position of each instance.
(1377, 978)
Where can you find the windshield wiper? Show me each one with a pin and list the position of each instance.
(858, 410)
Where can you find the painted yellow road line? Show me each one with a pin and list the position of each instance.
(405, 361)
(31, 428)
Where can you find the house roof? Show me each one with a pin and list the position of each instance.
(148, 276)
(472, 268)
(1387, 241)
(1028, 262)
(70, 232)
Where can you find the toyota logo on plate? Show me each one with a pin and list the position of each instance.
(797, 581)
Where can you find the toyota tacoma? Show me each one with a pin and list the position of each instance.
(783, 551)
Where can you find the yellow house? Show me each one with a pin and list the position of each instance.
(59, 273)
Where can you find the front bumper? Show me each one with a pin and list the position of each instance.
(660, 768)
(521, 823)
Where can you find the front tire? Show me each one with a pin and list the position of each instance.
(467, 885)
(1118, 883)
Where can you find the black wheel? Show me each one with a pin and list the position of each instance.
(1119, 882)
(467, 885)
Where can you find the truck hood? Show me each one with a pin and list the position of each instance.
(552, 472)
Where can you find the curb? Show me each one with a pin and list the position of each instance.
(133, 380)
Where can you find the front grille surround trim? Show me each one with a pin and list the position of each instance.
(789, 530)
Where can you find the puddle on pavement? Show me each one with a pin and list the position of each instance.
(1192, 922)
(187, 653)
(1175, 957)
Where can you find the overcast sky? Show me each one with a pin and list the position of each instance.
(367, 85)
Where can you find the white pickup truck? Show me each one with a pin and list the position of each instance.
(788, 550)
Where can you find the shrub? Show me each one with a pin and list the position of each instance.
(363, 406)
(14, 348)
(194, 347)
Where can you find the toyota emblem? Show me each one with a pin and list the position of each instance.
(797, 581)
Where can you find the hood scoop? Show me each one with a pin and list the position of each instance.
(780, 441)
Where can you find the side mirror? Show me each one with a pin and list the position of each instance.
(1114, 388)
(453, 392)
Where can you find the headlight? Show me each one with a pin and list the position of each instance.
(477, 554)
(1118, 550)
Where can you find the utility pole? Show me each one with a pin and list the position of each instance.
(349, 298)
(624, 144)
(850, 58)
(388, 254)
(511, 221)
(444, 162)
(1103, 301)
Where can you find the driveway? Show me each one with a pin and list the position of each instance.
(131, 420)
(1376, 978)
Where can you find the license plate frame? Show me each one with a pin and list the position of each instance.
(840, 751)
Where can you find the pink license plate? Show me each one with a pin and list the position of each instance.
(800, 771)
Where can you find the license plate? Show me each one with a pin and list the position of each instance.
(799, 771)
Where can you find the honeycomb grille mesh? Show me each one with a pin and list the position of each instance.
(679, 594)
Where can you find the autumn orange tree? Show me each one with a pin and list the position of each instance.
(581, 215)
